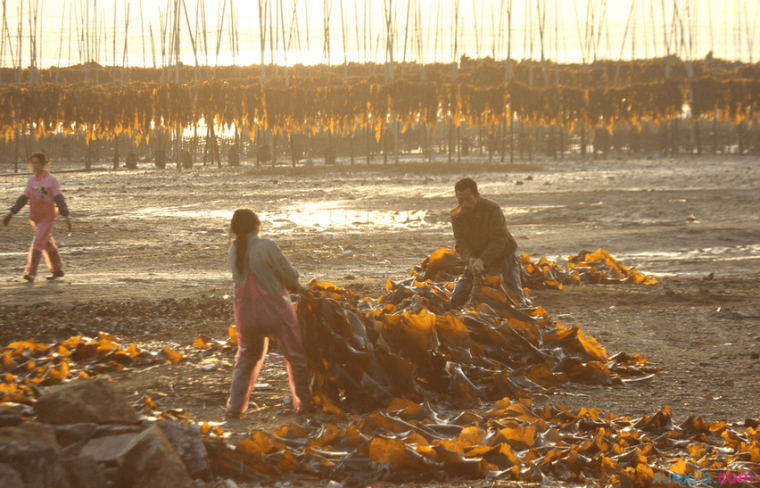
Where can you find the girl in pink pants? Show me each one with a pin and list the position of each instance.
(46, 199)
(262, 311)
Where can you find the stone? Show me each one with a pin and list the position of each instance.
(109, 449)
(31, 432)
(186, 440)
(65, 306)
(112, 475)
(9, 418)
(226, 484)
(33, 453)
(10, 478)
(83, 401)
(150, 460)
(70, 434)
(85, 472)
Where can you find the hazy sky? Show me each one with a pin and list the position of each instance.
(728, 27)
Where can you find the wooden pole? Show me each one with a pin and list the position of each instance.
(162, 26)
(38, 44)
(33, 29)
(219, 36)
(192, 38)
(356, 25)
(205, 38)
(406, 37)
(178, 130)
(622, 45)
(263, 38)
(345, 47)
(508, 74)
(232, 34)
(437, 22)
(541, 17)
(113, 57)
(456, 40)
(366, 142)
(292, 148)
(10, 46)
(284, 45)
(19, 43)
(2, 41)
(126, 44)
(477, 34)
(272, 29)
(116, 152)
(152, 44)
(421, 52)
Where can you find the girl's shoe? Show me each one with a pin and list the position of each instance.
(56, 274)
(29, 278)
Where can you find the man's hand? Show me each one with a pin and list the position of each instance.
(7, 219)
(477, 266)
(68, 222)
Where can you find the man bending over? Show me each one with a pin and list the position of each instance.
(482, 241)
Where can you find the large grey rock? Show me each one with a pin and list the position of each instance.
(9, 418)
(32, 451)
(85, 472)
(9, 477)
(31, 432)
(85, 401)
(150, 460)
(186, 440)
(70, 434)
(109, 449)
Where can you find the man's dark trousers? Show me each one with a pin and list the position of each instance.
(510, 273)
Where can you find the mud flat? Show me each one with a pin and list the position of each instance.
(148, 235)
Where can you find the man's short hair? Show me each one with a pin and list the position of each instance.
(466, 183)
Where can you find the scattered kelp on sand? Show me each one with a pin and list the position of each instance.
(364, 352)
(26, 366)
(514, 440)
(596, 267)
(408, 343)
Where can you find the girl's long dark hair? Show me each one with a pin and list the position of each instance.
(244, 222)
(39, 155)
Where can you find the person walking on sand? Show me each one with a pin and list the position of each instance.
(46, 199)
(262, 311)
(482, 240)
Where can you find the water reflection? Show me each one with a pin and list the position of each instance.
(316, 216)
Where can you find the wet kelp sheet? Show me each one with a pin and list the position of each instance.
(513, 441)
(407, 344)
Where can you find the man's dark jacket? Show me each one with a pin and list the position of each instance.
(482, 233)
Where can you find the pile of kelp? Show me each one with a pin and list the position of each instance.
(365, 352)
(26, 366)
(596, 267)
(513, 441)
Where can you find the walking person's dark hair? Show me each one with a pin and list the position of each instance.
(466, 183)
(244, 222)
